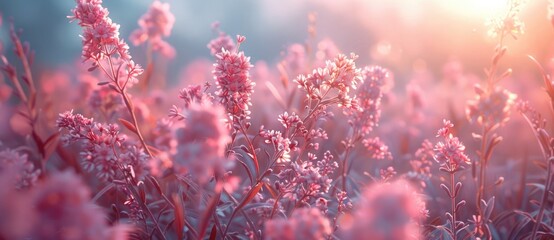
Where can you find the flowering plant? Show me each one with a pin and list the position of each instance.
(320, 145)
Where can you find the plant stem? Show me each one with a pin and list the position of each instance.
(453, 193)
(544, 198)
(135, 122)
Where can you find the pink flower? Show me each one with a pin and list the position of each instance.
(232, 78)
(202, 142)
(421, 162)
(158, 21)
(101, 42)
(491, 109)
(388, 211)
(307, 180)
(155, 24)
(369, 97)
(222, 42)
(338, 76)
(377, 148)
(105, 151)
(450, 152)
(295, 59)
(305, 223)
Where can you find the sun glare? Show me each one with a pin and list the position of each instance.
(475, 8)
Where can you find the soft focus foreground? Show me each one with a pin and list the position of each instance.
(319, 144)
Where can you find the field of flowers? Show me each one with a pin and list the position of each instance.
(320, 144)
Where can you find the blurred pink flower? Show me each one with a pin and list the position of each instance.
(222, 42)
(62, 210)
(421, 162)
(491, 109)
(388, 211)
(23, 173)
(377, 149)
(201, 143)
(155, 24)
(305, 224)
(295, 59)
(326, 49)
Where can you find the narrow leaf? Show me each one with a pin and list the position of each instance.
(270, 190)
(156, 184)
(128, 125)
(207, 214)
(247, 170)
(489, 208)
(102, 192)
(460, 205)
(251, 194)
(179, 215)
(142, 191)
(445, 188)
(213, 233)
(50, 144)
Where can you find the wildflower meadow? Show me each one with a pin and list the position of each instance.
(383, 120)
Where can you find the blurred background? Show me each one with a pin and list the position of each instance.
(398, 34)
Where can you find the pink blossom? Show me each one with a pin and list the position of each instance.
(491, 109)
(155, 24)
(222, 42)
(101, 43)
(369, 97)
(307, 180)
(305, 223)
(338, 77)
(99, 143)
(377, 148)
(232, 78)
(421, 162)
(449, 153)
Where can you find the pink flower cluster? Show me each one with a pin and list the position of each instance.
(491, 109)
(450, 152)
(222, 42)
(106, 151)
(101, 42)
(339, 75)
(231, 73)
(155, 24)
(307, 180)
(369, 96)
